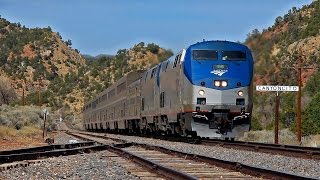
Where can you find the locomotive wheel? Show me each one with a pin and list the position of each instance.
(177, 130)
(148, 132)
(157, 132)
(194, 134)
(169, 132)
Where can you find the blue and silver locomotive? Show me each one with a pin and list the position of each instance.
(204, 90)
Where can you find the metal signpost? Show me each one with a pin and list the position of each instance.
(265, 88)
(45, 114)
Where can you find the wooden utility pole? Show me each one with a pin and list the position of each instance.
(39, 91)
(23, 96)
(276, 125)
(299, 70)
(39, 97)
(299, 97)
(23, 100)
(44, 125)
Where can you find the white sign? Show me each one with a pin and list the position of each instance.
(277, 88)
(45, 112)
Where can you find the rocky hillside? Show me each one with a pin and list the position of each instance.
(38, 59)
(32, 58)
(276, 51)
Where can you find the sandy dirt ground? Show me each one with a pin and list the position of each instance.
(9, 143)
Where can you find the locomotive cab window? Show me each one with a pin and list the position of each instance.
(205, 54)
(234, 55)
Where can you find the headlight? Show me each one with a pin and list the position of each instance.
(240, 93)
(220, 83)
(201, 92)
(217, 83)
(224, 83)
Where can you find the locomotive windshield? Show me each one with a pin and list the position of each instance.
(234, 55)
(205, 55)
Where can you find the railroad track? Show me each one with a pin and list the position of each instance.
(280, 149)
(286, 150)
(115, 154)
(179, 165)
(24, 157)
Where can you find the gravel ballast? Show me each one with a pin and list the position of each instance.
(63, 138)
(95, 165)
(84, 166)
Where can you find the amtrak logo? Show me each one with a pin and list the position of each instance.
(219, 72)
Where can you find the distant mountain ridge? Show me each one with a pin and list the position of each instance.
(90, 57)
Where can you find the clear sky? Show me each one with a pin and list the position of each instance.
(105, 26)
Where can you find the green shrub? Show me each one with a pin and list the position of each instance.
(255, 124)
(311, 121)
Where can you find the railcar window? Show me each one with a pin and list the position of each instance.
(234, 55)
(152, 73)
(176, 60)
(111, 93)
(205, 54)
(146, 76)
(104, 97)
(132, 101)
(121, 87)
(142, 104)
(167, 65)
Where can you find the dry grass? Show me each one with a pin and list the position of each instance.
(27, 137)
(27, 131)
(313, 140)
(285, 137)
(7, 131)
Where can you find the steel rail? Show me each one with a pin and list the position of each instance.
(243, 168)
(53, 153)
(47, 148)
(287, 150)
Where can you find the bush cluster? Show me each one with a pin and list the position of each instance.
(19, 117)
